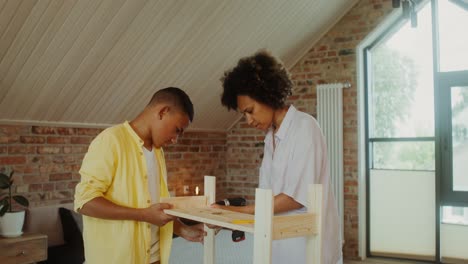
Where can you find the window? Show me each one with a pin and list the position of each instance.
(416, 96)
(455, 215)
(401, 141)
(453, 38)
(401, 98)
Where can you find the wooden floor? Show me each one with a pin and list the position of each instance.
(380, 261)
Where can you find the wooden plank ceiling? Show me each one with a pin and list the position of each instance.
(97, 62)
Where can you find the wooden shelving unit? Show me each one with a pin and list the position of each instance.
(264, 226)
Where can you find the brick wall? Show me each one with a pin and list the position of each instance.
(243, 157)
(195, 155)
(331, 59)
(46, 160)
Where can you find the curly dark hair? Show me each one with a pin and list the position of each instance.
(261, 77)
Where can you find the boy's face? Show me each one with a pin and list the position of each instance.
(257, 115)
(171, 125)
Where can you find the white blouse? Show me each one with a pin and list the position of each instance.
(300, 159)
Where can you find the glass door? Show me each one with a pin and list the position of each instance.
(454, 137)
(453, 99)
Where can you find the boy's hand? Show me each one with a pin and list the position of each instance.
(156, 216)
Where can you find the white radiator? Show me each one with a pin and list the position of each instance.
(330, 118)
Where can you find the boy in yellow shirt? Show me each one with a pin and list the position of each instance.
(123, 176)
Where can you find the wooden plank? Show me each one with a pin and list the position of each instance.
(214, 216)
(209, 240)
(287, 226)
(263, 226)
(186, 202)
(314, 242)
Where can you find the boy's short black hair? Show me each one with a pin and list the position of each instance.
(175, 96)
(261, 77)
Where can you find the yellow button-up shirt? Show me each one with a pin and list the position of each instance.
(115, 168)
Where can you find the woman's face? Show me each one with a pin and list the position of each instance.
(258, 115)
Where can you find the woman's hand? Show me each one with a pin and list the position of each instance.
(194, 233)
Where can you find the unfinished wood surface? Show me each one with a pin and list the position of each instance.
(186, 202)
(287, 226)
(263, 226)
(209, 240)
(314, 206)
(215, 216)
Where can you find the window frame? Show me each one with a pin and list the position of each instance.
(445, 81)
(366, 54)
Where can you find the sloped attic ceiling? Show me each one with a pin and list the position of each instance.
(99, 61)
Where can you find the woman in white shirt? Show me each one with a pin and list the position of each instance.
(295, 153)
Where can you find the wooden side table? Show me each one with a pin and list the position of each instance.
(27, 248)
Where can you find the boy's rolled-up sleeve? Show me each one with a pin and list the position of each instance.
(96, 171)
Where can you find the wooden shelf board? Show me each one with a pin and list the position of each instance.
(288, 226)
(214, 216)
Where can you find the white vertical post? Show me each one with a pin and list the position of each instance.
(263, 226)
(209, 240)
(314, 242)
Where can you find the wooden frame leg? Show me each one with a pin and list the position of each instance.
(314, 242)
(209, 240)
(263, 226)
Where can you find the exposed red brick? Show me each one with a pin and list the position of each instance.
(63, 159)
(81, 140)
(65, 130)
(71, 185)
(48, 187)
(29, 179)
(321, 48)
(13, 130)
(10, 160)
(61, 185)
(79, 149)
(88, 131)
(8, 139)
(43, 130)
(26, 169)
(67, 150)
(58, 140)
(48, 150)
(35, 187)
(60, 176)
(45, 169)
(32, 139)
